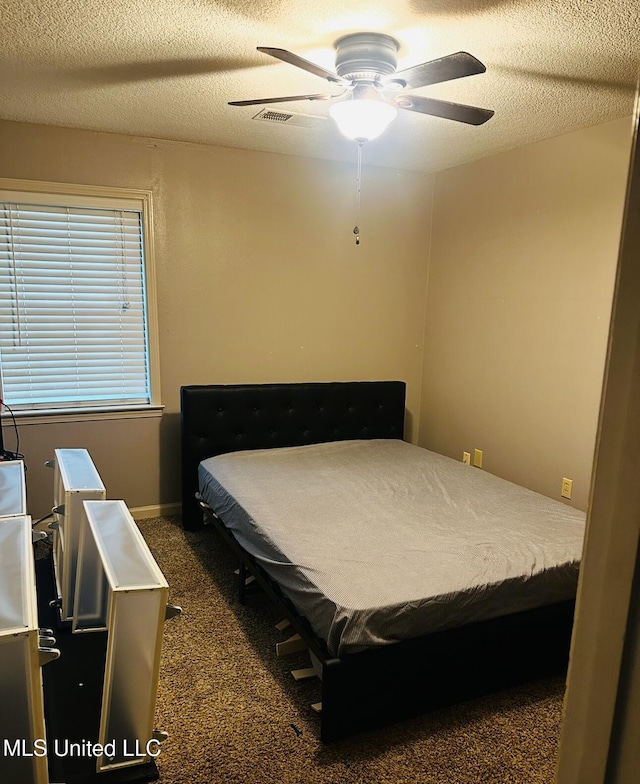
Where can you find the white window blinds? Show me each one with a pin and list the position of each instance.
(73, 321)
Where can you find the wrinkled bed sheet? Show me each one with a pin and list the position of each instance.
(378, 541)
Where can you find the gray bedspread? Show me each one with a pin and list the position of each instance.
(378, 541)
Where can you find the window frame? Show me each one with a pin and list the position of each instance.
(99, 196)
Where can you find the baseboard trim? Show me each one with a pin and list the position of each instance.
(155, 510)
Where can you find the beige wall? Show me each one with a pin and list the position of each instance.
(258, 278)
(522, 264)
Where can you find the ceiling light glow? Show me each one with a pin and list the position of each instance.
(363, 119)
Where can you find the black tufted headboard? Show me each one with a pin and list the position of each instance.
(216, 419)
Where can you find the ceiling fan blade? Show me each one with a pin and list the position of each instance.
(284, 99)
(472, 115)
(444, 69)
(300, 62)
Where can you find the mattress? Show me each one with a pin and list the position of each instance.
(376, 541)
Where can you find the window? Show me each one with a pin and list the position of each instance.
(77, 317)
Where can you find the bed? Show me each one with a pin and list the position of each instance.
(322, 502)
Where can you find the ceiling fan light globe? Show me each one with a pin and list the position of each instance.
(363, 119)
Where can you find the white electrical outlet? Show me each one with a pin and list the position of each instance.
(567, 487)
(477, 458)
(466, 458)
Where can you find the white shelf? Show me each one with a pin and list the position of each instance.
(13, 491)
(75, 480)
(21, 699)
(120, 588)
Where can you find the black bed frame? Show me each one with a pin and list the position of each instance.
(381, 685)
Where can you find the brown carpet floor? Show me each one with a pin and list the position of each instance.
(235, 715)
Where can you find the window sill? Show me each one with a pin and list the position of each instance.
(49, 417)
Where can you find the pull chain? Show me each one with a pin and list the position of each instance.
(356, 230)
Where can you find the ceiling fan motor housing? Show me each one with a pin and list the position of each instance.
(366, 70)
(366, 55)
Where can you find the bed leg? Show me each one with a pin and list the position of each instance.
(242, 584)
(335, 699)
(244, 581)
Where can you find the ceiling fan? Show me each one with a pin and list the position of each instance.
(366, 72)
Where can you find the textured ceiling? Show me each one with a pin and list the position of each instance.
(166, 69)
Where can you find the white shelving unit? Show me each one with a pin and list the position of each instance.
(108, 581)
(75, 480)
(22, 725)
(120, 588)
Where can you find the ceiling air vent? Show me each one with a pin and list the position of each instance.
(273, 116)
(290, 118)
